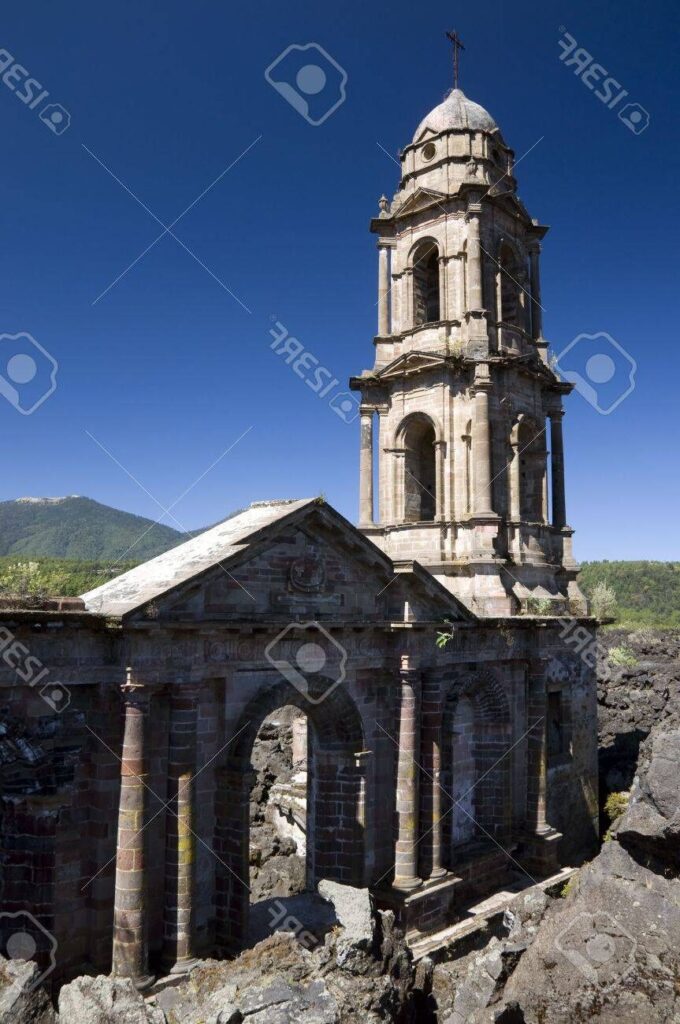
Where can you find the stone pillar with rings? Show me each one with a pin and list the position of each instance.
(406, 861)
(130, 944)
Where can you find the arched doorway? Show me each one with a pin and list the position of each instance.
(531, 450)
(426, 301)
(420, 475)
(475, 771)
(335, 806)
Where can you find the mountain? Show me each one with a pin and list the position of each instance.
(80, 528)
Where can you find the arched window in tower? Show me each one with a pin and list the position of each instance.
(419, 471)
(532, 471)
(509, 309)
(426, 308)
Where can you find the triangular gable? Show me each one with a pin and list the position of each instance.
(421, 199)
(219, 544)
(408, 363)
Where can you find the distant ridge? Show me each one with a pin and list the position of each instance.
(80, 528)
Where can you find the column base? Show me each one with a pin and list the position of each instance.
(437, 874)
(141, 983)
(184, 966)
(407, 884)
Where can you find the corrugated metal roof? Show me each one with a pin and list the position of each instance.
(155, 577)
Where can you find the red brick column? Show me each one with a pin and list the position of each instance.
(406, 860)
(130, 952)
(180, 852)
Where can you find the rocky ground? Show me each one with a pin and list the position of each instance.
(633, 697)
(361, 973)
(277, 856)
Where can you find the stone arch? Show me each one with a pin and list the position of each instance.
(417, 436)
(476, 734)
(423, 261)
(336, 810)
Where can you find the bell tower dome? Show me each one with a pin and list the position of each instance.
(469, 447)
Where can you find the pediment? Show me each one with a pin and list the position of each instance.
(410, 363)
(421, 199)
(427, 133)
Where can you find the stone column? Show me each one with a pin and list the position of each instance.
(431, 800)
(383, 291)
(481, 445)
(408, 318)
(443, 291)
(559, 510)
(130, 951)
(439, 453)
(537, 782)
(406, 860)
(366, 468)
(474, 263)
(180, 852)
(536, 318)
(515, 481)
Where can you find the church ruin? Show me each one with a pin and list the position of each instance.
(436, 774)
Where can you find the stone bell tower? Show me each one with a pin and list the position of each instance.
(468, 444)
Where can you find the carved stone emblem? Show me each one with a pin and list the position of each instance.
(307, 573)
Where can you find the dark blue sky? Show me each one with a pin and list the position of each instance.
(167, 369)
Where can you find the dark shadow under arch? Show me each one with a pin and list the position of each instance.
(336, 810)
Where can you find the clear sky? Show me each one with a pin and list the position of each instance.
(168, 369)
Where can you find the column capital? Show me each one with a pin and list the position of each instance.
(135, 690)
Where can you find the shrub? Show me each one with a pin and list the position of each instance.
(616, 804)
(622, 656)
(603, 603)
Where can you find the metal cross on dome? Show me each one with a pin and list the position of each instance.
(457, 44)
